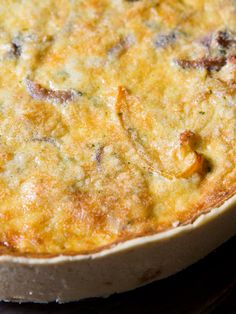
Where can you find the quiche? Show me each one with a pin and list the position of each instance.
(117, 142)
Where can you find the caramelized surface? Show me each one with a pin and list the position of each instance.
(117, 119)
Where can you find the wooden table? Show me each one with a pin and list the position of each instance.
(206, 287)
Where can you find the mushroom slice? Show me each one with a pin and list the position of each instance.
(185, 160)
(208, 63)
(39, 92)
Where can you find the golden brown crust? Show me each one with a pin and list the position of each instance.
(117, 120)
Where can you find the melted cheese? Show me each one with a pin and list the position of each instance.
(117, 119)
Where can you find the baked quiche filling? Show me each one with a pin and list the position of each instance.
(117, 119)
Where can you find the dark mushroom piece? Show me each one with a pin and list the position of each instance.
(219, 43)
(208, 63)
(15, 50)
(225, 39)
(38, 92)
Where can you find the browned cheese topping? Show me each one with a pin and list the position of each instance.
(117, 119)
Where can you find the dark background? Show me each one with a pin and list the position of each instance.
(206, 287)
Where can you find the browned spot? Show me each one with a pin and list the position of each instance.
(186, 136)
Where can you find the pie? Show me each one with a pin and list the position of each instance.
(117, 126)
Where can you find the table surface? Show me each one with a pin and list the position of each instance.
(206, 287)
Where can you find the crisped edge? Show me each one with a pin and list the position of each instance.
(199, 219)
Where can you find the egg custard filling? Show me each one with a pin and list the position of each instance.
(117, 119)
